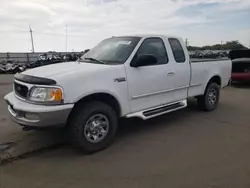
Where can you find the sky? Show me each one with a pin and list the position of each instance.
(202, 22)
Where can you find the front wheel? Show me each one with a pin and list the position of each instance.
(92, 126)
(209, 101)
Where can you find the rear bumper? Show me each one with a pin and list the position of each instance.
(241, 76)
(33, 115)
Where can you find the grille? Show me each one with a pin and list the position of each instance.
(21, 90)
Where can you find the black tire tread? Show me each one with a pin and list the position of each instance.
(202, 100)
(81, 113)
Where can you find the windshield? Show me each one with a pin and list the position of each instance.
(115, 50)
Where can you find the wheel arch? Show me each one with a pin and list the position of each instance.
(102, 97)
(215, 79)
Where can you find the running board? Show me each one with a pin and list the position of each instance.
(159, 110)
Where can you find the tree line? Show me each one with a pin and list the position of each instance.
(229, 45)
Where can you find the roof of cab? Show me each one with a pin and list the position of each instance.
(149, 35)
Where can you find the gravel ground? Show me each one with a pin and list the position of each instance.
(187, 148)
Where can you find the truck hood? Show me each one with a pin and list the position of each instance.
(55, 71)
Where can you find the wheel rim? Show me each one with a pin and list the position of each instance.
(212, 96)
(96, 128)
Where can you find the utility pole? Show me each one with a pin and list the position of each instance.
(186, 41)
(66, 38)
(32, 42)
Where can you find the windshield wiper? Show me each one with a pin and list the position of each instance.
(93, 59)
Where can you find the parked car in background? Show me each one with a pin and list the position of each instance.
(241, 65)
(134, 76)
(11, 67)
(208, 53)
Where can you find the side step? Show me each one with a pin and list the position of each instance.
(159, 110)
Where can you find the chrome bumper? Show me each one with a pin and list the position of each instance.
(33, 115)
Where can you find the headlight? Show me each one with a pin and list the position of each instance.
(46, 94)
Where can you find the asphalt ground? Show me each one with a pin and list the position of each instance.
(13, 140)
(187, 148)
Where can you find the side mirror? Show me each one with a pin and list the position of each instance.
(144, 60)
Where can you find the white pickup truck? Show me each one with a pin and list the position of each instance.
(128, 76)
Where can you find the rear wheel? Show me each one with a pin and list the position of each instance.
(92, 126)
(209, 101)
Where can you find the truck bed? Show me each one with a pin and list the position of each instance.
(202, 72)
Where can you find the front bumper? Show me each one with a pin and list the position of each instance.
(34, 115)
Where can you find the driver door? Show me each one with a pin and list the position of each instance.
(151, 85)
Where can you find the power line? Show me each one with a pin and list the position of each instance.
(13, 31)
(49, 33)
(45, 33)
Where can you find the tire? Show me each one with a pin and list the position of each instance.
(209, 101)
(84, 118)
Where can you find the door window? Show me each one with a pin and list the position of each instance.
(177, 49)
(154, 46)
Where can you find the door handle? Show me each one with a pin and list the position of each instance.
(171, 74)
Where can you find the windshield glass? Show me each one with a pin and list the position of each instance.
(115, 50)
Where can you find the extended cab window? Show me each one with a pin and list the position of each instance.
(177, 49)
(154, 46)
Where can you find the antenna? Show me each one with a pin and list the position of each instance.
(32, 42)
